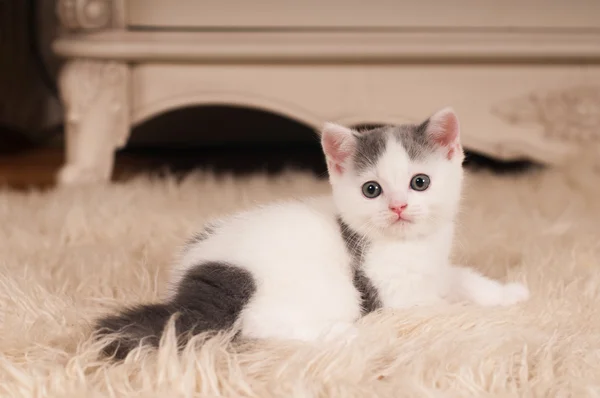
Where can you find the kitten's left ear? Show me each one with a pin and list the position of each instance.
(443, 129)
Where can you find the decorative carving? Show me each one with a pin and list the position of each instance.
(95, 95)
(572, 114)
(85, 14)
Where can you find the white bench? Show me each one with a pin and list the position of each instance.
(524, 77)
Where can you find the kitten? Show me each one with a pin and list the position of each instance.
(308, 269)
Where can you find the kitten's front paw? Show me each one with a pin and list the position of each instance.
(514, 293)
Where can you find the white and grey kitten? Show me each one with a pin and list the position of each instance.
(308, 269)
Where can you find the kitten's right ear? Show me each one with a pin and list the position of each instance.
(338, 144)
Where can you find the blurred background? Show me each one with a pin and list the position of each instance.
(248, 139)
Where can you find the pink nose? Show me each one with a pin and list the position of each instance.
(398, 208)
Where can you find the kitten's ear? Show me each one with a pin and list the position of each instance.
(338, 144)
(443, 129)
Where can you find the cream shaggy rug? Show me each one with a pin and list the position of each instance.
(67, 256)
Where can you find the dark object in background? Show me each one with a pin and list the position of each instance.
(13, 141)
(29, 105)
(477, 161)
(248, 141)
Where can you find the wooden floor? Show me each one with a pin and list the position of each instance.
(30, 168)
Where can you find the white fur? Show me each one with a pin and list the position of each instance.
(299, 259)
(296, 254)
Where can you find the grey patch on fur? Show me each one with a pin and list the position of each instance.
(372, 143)
(209, 298)
(370, 146)
(414, 140)
(356, 246)
(217, 290)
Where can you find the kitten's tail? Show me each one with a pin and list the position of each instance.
(145, 324)
(142, 324)
(209, 298)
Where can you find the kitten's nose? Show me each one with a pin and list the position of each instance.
(398, 208)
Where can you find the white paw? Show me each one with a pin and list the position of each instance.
(513, 293)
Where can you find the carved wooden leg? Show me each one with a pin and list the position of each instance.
(96, 98)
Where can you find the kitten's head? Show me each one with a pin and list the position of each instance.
(396, 181)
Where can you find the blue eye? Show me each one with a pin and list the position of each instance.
(371, 189)
(420, 182)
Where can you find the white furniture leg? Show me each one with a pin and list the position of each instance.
(95, 95)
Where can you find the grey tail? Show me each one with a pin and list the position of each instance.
(133, 325)
(143, 324)
(209, 298)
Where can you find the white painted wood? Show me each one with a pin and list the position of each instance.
(330, 46)
(359, 94)
(524, 77)
(286, 14)
(96, 98)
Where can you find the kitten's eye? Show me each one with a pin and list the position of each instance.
(371, 189)
(420, 182)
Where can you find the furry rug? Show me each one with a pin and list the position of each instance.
(69, 255)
